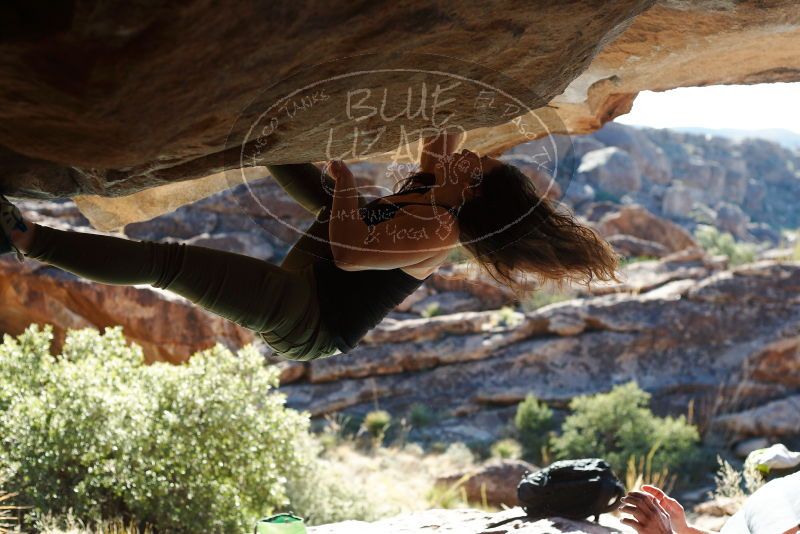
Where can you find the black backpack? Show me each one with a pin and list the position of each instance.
(573, 489)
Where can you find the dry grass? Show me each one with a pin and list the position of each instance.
(71, 525)
(640, 473)
(8, 520)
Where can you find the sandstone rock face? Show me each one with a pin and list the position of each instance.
(105, 116)
(611, 170)
(172, 116)
(471, 522)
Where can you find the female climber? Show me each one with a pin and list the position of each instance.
(357, 261)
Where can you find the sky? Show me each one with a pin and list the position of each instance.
(746, 107)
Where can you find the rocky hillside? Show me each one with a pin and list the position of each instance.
(724, 341)
(749, 188)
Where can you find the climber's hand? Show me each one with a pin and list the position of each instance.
(336, 169)
(648, 516)
(677, 516)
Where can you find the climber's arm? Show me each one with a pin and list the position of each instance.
(412, 236)
(435, 148)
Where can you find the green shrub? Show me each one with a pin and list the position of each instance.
(420, 415)
(716, 242)
(207, 446)
(619, 425)
(506, 449)
(534, 423)
(432, 310)
(376, 423)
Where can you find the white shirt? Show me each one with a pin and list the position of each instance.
(773, 509)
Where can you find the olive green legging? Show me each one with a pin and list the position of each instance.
(277, 302)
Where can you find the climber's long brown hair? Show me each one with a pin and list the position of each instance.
(514, 233)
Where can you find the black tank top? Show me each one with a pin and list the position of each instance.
(353, 302)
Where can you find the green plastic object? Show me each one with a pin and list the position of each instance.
(281, 524)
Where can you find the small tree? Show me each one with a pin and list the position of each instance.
(534, 424)
(619, 425)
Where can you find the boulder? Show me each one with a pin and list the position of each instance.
(112, 117)
(612, 170)
(632, 247)
(649, 157)
(638, 222)
(585, 143)
(468, 521)
(496, 481)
